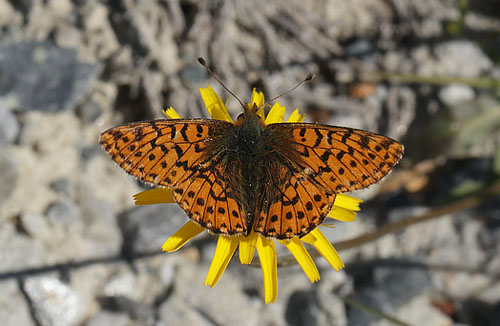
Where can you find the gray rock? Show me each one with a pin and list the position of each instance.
(137, 311)
(90, 111)
(9, 126)
(35, 225)
(452, 58)
(41, 76)
(303, 309)
(361, 49)
(146, 283)
(63, 213)
(102, 97)
(462, 58)
(18, 251)
(102, 232)
(55, 303)
(62, 186)
(146, 228)
(175, 311)
(217, 304)
(14, 309)
(8, 177)
(402, 293)
(105, 318)
(456, 94)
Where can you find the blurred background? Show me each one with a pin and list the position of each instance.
(75, 251)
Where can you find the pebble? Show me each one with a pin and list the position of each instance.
(9, 125)
(55, 303)
(63, 213)
(455, 94)
(14, 309)
(42, 76)
(9, 175)
(146, 228)
(106, 318)
(35, 225)
(137, 311)
(19, 252)
(399, 292)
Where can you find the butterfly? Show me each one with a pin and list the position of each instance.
(279, 180)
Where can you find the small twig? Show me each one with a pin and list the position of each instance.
(487, 83)
(375, 312)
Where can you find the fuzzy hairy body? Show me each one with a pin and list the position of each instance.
(253, 156)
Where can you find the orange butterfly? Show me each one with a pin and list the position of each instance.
(279, 179)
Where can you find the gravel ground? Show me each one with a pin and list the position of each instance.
(75, 251)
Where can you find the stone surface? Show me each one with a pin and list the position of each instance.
(55, 303)
(17, 251)
(452, 58)
(176, 311)
(136, 311)
(228, 291)
(146, 228)
(400, 293)
(9, 126)
(14, 309)
(9, 176)
(456, 94)
(68, 228)
(35, 225)
(63, 214)
(41, 76)
(105, 318)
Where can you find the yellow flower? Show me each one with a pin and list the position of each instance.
(344, 209)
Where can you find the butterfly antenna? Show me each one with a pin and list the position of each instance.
(204, 64)
(308, 78)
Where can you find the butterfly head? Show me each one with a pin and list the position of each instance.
(249, 113)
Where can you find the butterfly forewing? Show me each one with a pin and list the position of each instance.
(161, 151)
(173, 154)
(343, 159)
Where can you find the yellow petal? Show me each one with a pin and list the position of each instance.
(317, 239)
(154, 196)
(225, 249)
(303, 258)
(276, 114)
(171, 113)
(257, 98)
(214, 104)
(261, 113)
(347, 202)
(268, 262)
(342, 214)
(247, 247)
(182, 236)
(296, 116)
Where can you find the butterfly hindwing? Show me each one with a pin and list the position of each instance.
(303, 206)
(207, 199)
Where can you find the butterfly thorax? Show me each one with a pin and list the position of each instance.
(251, 154)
